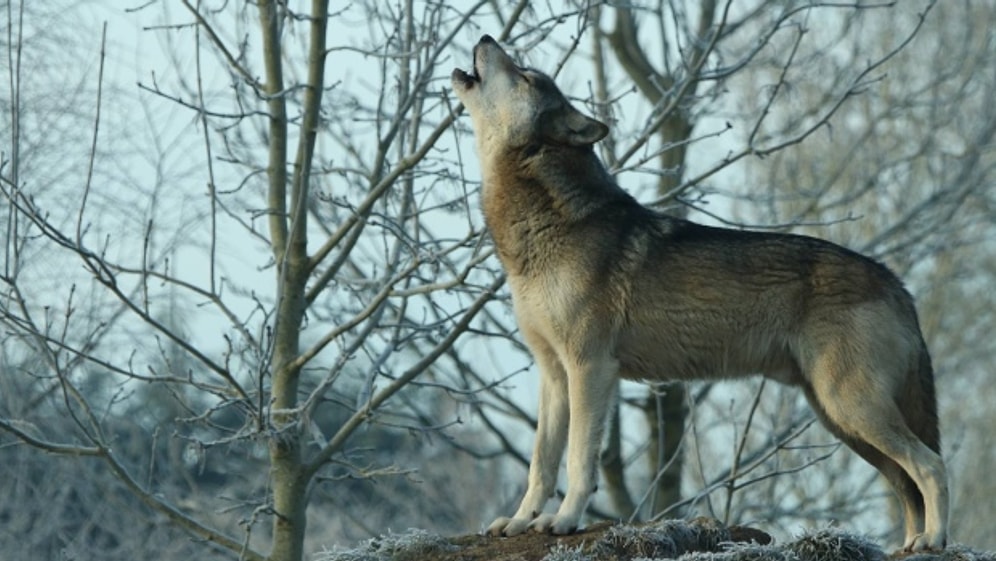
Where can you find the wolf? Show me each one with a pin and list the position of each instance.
(604, 287)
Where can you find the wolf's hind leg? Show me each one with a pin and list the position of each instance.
(860, 404)
(906, 490)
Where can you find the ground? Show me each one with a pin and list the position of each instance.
(701, 539)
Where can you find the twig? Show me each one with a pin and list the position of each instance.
(93, 145)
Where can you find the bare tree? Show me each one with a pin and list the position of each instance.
(672, 92)
(344, 330)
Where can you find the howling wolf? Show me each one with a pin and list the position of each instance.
(604, 288)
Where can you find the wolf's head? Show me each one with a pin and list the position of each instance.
(513, 107)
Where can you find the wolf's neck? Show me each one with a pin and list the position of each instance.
(569, 182)
(542, 194)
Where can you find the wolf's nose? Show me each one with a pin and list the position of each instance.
(487, 39)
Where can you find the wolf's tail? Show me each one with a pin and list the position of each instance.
(919, 405)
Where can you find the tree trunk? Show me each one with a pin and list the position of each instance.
(664, 409)
(288, 229)
(666, 414)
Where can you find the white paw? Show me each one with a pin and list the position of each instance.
(554, 524)
(924, 542)
(505, 526)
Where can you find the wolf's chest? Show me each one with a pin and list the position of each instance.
(550, 301)
(528, 243)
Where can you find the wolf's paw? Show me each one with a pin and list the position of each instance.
(554, 524)
(505, 526)
(924, 543)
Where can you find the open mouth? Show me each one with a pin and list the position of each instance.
(467, 80)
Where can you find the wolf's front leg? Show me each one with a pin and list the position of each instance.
(592, 389)
(551, 436)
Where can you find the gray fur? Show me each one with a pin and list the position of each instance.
(605, 288)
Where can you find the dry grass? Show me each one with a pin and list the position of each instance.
(701, 539)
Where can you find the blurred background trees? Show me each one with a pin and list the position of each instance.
(249, 308)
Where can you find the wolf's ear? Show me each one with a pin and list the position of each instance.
(569, 126)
